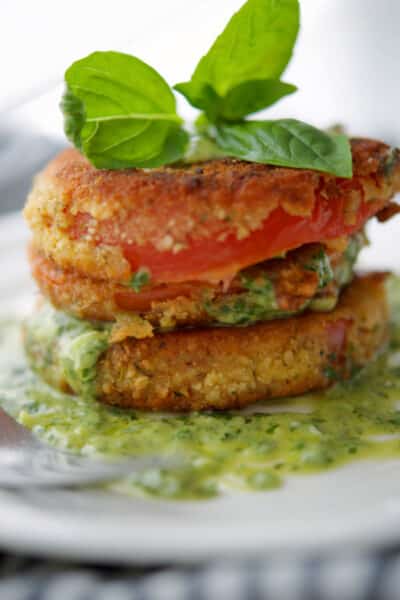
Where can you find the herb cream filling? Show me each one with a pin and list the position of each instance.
(63, 348)
(260, 302)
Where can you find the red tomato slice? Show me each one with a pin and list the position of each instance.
(212, 260)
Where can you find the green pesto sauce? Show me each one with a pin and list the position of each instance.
(258, 301)
(244, 450)
(62, 347)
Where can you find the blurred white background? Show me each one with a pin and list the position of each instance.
(346, 61)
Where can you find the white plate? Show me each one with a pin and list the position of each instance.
(358, 505)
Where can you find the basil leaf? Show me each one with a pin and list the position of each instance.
(74, 117)
(285, 143)
(252, 96)
(173, 150)
(120, 112)
(250, 54)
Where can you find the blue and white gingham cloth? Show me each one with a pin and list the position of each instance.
(332, 578)
(335, 577)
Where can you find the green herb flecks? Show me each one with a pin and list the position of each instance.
(320, 264)
(140, 279)
(344, 269)
(257, 303)
(331, 373)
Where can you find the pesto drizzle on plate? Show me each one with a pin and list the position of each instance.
(248, 450)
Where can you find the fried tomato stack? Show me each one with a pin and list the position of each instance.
(218, 283)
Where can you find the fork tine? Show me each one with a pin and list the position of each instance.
(48, 468)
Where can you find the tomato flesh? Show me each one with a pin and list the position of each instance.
(213, 260)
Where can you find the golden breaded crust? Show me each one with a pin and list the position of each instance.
(294, 283)
(233, 367)
(169, 206)
(95, 300)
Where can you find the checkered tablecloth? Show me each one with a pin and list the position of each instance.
(341, 577)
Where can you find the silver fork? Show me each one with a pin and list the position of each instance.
(26, 462)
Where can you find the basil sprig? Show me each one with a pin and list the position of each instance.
(240, 73)
(121, 113)
(286, 143)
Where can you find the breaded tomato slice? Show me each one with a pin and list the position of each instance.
(308, 277)
(199, 222)
(225, 368)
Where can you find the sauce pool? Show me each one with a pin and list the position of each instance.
(250, 450)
